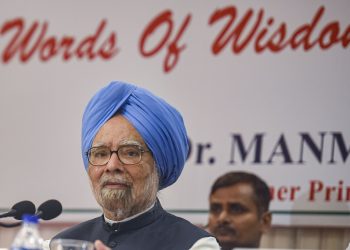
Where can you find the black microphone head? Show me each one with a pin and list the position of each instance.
(23, 207)
(49, 209)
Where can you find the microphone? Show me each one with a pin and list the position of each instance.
(50, 209)
(20, 208)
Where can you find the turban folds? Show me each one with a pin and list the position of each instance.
(160, 125)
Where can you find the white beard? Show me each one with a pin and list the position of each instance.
(126, 203)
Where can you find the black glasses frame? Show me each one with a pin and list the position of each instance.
(142, 150)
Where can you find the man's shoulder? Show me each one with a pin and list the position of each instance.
(183, 226)
(172, 232)
(81, 230)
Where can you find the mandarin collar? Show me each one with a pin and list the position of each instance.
(139, 221)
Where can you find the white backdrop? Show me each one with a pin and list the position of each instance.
(271, 96)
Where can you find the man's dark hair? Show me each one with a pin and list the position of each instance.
(260, 188)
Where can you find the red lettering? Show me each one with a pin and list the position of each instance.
(345, 39)
(86, 46)
(12, 47)
(26, 43)
(239, 35)
(340, 191)
(108, 48)
(26, 55)
(302, 35)
(329, 191)
(315, 187)
(221, 41)
(66, 46)
(173, 49)
(275, 46)
(284, 192)
(48, 49)
(332, 31)
(280, 193)
(294, 190)
(20, 44)
(163, 18)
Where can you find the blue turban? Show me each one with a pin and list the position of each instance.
(160, 125)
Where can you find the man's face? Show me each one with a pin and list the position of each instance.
(123, 190)
(234, 219)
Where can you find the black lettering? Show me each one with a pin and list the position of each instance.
(338, 137)
(243, 152)
(317, 151)
(201, 148)
(281, 144)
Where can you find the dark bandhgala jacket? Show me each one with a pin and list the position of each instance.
(153, 230)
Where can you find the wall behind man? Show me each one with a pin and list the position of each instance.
(263, 87)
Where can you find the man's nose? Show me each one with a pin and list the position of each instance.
(223, 216)
(114, 164)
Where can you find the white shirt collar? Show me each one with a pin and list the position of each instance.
(111, 222)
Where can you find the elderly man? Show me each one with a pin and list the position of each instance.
(134, 144)
(239, 204)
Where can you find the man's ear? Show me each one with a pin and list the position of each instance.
(266, 220)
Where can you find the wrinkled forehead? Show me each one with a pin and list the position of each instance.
(118, 131)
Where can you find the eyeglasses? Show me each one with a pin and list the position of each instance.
(127, 154)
